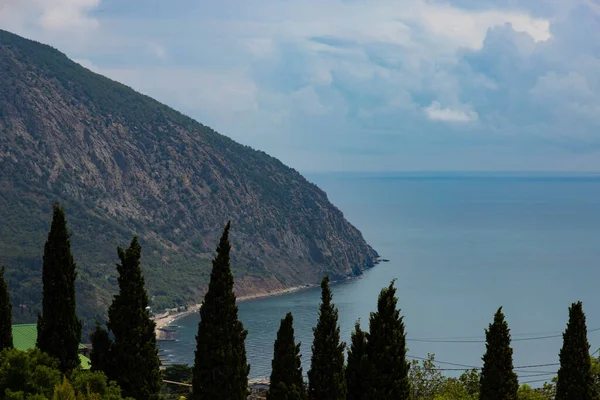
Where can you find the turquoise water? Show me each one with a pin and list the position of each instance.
(460, 247)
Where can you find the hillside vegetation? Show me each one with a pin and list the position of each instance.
(123, 164)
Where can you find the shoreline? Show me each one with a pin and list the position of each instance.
(171, 318)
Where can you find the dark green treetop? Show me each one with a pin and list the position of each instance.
(101, 356)
(59, 328)
(498, 381)
(136, 365)
(220, 367)
(286, 381)
(357, 370)
(326, 378)
(6, 340)
(386, 350)
(575, 379)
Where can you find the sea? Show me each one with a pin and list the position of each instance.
(460, 245)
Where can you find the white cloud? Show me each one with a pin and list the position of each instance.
(49, 15)
(157, 50)
(64, 15)
(437, 113)
(89, 65)
(371, 73)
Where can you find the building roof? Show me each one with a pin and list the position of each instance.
(25, 337)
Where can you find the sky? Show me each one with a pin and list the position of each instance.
(355, 85)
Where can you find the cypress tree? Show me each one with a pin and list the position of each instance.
(136, 366)
(286, 381)
(101, 352)
(498, 381)
(220, 367)
(59, 329)
(326, 379)
(357, 370)
(6, 340)
(575, 379)
(386, 350)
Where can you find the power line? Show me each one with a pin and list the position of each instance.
(539, 374)
(512, 335)
(475, 367)
(536, 380)
(451, 340)
(537, 365)
(443, 362)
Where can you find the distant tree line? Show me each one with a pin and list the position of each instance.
(125, 362)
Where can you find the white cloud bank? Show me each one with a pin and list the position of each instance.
(437, 113)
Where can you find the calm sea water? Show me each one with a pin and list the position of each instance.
(460, 247)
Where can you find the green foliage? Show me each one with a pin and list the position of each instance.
(286, 381)
(33, 375)
(357, 370)
(29, 373)
(498, 380)
(386, 350)
(136, 366)
(6, 340)
(428, 382)
(525, 392)
(95, 382)
(575, 380)
(101, 356)
(64, 391)
(326, 375)
(470, 380)
(453, 389)
(178, 373)
(59, 328)
(220, 367)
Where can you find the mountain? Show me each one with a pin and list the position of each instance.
(121, 164)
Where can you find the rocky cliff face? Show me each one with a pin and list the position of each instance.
(124, 164)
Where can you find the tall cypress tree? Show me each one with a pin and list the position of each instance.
(220, 367)
(6, 340)
(286, 381)
(136, 365)
(498, 381)
(101, 356)
(575, 380)
(59, 329)
(326, 379)
(357, 370)
(386, 350)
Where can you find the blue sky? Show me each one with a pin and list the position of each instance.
(355, 85)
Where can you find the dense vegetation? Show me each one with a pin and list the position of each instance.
(575, 380)
(131, 359)
(123, 164)
(377, 366)
(59, 328)
(220, 367)
(286, 382)
(326, 374)
(498, 380)
(6, 339)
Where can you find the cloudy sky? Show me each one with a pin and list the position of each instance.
(354, 85)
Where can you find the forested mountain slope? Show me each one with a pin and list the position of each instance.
(123, 164)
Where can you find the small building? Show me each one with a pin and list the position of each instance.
(25, 338)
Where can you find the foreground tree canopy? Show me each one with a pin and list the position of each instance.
(59, 328)
(220, 367)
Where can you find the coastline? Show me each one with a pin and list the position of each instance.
(171, 318)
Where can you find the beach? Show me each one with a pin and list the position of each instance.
(165, 320)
